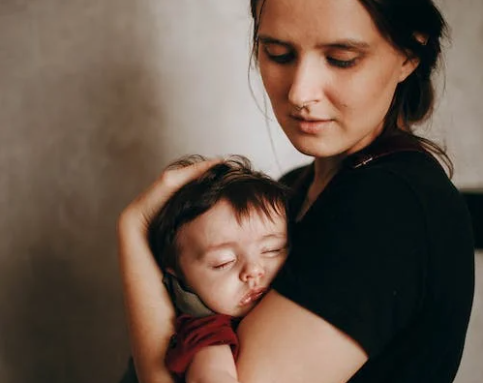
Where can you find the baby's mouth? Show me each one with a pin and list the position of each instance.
(253, 296)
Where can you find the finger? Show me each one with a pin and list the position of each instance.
(168, 183)
(184, 175)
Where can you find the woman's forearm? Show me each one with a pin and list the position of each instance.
(212, 364)
(149, 311)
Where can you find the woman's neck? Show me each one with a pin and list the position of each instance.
(324, 171)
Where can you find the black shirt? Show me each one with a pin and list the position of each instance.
(385, 254)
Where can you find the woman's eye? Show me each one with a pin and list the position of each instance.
(341, 63)
(279, 56)
(281, 59)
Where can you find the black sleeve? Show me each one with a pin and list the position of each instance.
(358, 257)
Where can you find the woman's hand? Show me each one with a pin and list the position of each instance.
(149, 311)
(141, 211)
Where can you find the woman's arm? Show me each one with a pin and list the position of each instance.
(282, 342)
(149, 311)
(213, 364)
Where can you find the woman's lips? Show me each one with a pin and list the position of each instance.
(311, 126)
(252, 296)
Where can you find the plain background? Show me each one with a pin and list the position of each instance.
(96, 97)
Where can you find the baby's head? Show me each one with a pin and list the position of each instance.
(224, 235)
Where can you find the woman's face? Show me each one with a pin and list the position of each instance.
(328, 56)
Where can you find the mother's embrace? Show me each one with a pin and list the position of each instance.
(379, 281)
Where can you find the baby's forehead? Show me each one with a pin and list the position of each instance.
(229, 224)
(266, 210)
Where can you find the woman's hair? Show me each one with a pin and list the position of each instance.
(232, 180)
(415, 27)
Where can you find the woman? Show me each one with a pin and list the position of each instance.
(378, 285)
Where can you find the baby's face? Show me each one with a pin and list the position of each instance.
(230, 265)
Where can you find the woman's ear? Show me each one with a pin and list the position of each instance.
(408, 66)
(411, 61)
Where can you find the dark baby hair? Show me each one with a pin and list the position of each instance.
(415, 27)
(232, 180)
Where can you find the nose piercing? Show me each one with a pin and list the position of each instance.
(300, 108)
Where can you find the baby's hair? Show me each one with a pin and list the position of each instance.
(232, 180)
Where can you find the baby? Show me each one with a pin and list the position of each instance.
(220, 241)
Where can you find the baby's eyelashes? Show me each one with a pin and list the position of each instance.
(222, 264)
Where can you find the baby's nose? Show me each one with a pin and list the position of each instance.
(252, 273)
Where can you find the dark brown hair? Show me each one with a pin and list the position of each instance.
(233, 180)
(415, 27)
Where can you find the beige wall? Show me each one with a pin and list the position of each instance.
(95, 98)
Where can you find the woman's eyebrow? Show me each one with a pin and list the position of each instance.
(346, 44)
(271, 40)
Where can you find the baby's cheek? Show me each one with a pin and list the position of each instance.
(223, 297)
(227, 307)
(274, 269)
(280, 262)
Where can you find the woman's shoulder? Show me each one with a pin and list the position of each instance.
(418, 171)
(413, 180)
(400, 157)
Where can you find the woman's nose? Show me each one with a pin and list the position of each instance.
(307, 85)
(252, 273)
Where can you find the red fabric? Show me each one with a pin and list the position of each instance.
(193, 334)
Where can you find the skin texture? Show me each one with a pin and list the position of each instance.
(283, 342)
(227, 263)
(214, 364)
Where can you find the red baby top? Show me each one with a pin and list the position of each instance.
(193, 334)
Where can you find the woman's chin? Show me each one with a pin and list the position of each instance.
(314, 148)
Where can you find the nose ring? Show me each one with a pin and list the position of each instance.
(300, 108)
